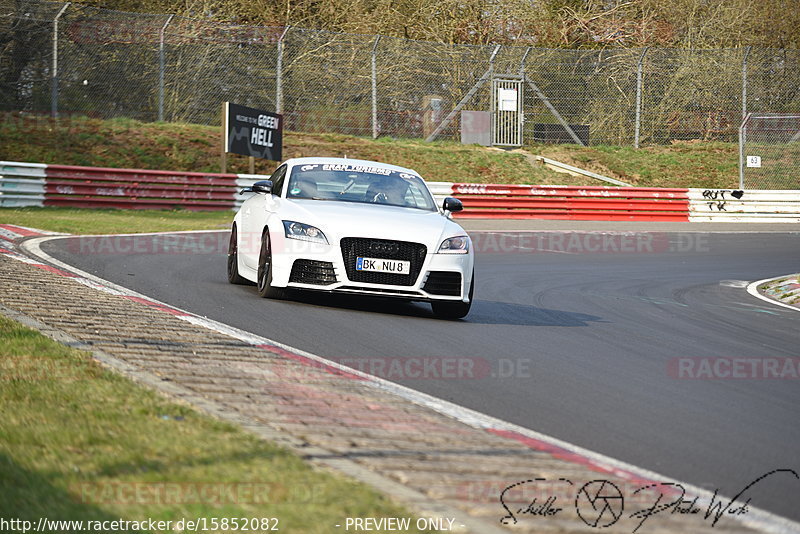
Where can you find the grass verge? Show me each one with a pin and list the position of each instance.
(90, 221)
(702, 164)
(78, 442)
(126, 143)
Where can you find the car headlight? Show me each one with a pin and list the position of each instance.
(455, 245)
(304, 232)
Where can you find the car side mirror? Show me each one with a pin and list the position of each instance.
(264, 186)
(452, 204)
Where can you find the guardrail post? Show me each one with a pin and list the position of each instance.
(638, 123)
(161, 66)
(375, 88)
(279, 74)
(54, 73)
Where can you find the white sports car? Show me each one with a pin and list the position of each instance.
(352, 226)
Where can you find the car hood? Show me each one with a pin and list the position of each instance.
(352, 219)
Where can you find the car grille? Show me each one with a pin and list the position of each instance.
(318, 273)
(354, 247)
(443, 283)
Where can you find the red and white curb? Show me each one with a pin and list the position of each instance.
(757, 519)
(11, 233)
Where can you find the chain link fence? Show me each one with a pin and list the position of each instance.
(70, 59)
(769, 151)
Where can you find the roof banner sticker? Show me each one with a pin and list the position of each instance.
(356, 168)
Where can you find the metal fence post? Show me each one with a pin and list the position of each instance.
(279, 74)
(54, 73)
(742, 140)
(161, 66)
(522, 62)
(375, 88)
(522, 76)
(745, 117)
(638, 123)
(744, 80)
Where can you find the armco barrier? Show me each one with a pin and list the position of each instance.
(21, 184)
(568, 202)
(36, 184)
(135, 189)
(730, 205)
(621, 203)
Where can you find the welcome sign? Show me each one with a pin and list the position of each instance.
(252, 132)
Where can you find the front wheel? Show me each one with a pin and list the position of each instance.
(264, 284)
(454, 309)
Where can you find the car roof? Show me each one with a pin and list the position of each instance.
(346, 161)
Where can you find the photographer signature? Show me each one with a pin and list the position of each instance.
(600, 503)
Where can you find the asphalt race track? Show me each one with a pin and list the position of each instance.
(599, 343)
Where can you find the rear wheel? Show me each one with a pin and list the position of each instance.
(233, 260)
(454, 309)
(265, 288)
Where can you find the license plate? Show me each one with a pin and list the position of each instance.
(378, 265)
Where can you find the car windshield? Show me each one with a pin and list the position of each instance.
(359, 183)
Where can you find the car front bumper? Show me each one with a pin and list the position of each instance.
(289, 251)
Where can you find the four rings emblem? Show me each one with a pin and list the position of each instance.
(384, 248)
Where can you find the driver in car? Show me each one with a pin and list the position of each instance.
(388, 190)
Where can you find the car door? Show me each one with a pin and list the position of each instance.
(256, 211)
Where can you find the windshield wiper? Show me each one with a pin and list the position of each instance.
(347, 187)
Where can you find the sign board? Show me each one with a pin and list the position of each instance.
(252, 132)
(754, 161)
(476, 128)
(507, 100)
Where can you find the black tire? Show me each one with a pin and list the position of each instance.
(264, 279)
(454, 309)
(233, 261)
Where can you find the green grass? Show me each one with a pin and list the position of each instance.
(84, 221)
(681, 164)
(126, 143)
(79, 442)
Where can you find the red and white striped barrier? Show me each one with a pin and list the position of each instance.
(36, 184)
(731, 205)
(568, 202)
(621, 203)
